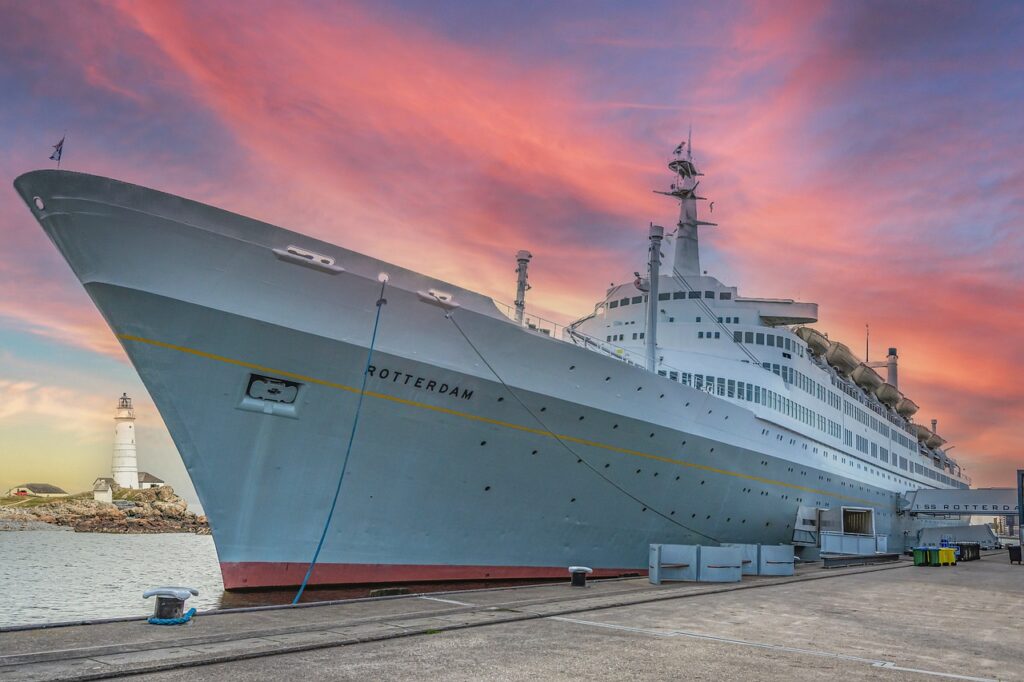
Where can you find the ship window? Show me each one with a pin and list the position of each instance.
(698, 318)
(787, 344)
(719, 320)
(674, 376)
(613, 304)
(634, 336)
(693, 294)
(637, 299)
(760, 339)
(664, 297)
(624, 301)
(661, 373)
(771, 340)
(721, 386)
(641, 335)
(676, 295)
(700, 335)
(725, 295)
(718, 335)
(737, 337)
(748, 337)
(709, 294)
(732, 388)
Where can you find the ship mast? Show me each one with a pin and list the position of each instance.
(684, 188)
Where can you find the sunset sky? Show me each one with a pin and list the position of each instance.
(868, 156)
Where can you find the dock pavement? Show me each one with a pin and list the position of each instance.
(889, 622)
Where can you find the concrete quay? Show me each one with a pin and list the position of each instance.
(891, 622)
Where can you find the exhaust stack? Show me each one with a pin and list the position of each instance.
(893, 377)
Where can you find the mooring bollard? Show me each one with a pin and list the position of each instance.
(579, 575)
(170, 604)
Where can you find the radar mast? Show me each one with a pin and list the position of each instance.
(684, 188)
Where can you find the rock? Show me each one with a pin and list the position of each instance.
(155, 510)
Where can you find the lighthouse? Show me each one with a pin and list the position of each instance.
(125, 468)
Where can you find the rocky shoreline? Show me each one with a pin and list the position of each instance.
(155, 510)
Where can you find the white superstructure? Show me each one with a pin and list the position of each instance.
(125, 466)
(760, 354)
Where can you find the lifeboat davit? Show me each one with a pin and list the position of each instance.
(817, 341)
(842, 358)
(935, 440)
(923, 432)
(889, 394)
(906, 407)
(866, 377)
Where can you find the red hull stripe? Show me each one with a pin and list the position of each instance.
(241, 575)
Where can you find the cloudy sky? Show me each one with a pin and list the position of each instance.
(867, 156)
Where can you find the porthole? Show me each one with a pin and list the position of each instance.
(661, 396)
(671, 513)
(684, 443)
(651, 436)
(655, 474)
(711, 450)
(607, 378)
(615, 426)
(543, 409)
(572, 367)
(607, 465)
(486, 488)
(677, 478)
(483, 442)
(702, 482)
(534, 452)
(579, 460)
(693, 516)
(501, 399)
(573, 499)
(708, 517)
(638, 471)
(38, 201)
(581, 417)
(639, 388)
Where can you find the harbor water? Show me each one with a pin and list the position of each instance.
(58, 575)
(51, 576)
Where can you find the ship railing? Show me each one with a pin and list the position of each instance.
(567, 334)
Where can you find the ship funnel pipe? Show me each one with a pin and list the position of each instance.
(935, 425)
(657, 233)
(891, 362)
(522, 285)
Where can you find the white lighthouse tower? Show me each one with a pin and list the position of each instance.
(125, 468)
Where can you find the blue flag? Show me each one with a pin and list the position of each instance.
(58, 150)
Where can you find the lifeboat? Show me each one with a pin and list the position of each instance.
(866, 377)
(906, 407)
(817, 341)
(923, 432)
(935, 440)
(842, 358)
(889, 394)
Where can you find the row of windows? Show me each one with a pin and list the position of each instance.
(708, 335)
(670, 296)
(753, 393)
(771, 340)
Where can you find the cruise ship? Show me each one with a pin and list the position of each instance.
(478, 441)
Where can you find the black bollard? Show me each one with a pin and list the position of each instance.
(579, 575)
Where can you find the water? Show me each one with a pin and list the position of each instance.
(52, 576)
(56, 575)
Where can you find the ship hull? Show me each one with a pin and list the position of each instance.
(482, 450)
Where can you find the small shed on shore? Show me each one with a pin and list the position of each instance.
(102, 490)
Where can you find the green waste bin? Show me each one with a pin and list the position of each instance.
(920, 556)
(933, 556)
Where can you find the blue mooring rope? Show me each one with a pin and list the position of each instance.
(173, 621)
(348, 450)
